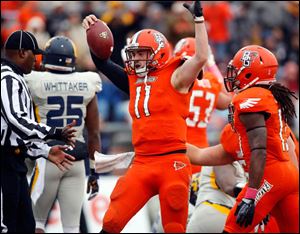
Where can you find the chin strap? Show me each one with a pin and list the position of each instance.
(145, 79)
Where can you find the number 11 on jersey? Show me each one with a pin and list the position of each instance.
(146, 101)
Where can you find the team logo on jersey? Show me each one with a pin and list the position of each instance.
(249, 102)
(264, 188)
(178, 165)
(248, 57)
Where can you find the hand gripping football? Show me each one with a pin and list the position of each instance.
(100, 39)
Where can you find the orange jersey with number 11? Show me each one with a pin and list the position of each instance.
(158, 112)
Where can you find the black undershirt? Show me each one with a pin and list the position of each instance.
(114, 72)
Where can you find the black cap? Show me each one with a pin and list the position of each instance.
(22, 40)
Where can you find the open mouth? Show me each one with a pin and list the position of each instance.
(137, 65)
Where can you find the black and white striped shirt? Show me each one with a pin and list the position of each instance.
(18, 122)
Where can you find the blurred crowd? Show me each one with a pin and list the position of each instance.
(230, 24)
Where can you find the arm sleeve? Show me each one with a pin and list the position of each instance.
(113, 72)
(15, 108)
(38, 149)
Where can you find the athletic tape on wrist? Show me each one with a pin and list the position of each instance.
(251, 193)
(199, 19)
(92, 164)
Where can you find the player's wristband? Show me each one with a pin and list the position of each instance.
(199, 19)
(251, 193)
(92, 164)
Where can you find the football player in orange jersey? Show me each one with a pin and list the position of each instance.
(224, 153)
(228, 151)
(262, 108)
(208, 94)
(159, 88)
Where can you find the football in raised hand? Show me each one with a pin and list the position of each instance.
(100, 39)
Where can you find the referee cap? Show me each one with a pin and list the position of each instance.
(22, 40)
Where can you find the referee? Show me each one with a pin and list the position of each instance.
(21, 135)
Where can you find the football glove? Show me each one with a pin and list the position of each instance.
(92, 184)
(195, 9)
(245, 212)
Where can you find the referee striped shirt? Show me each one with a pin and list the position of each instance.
(18, 122)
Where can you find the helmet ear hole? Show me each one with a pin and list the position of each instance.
(248, 75)
(260, 59)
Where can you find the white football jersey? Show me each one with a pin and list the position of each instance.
(209, 190)
(60, 98)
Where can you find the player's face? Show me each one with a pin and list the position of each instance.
(138, 60)
(139, 57)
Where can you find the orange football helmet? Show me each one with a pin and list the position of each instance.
(251, 65)
(154, 43)
(185, 47)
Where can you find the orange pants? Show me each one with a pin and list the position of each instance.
(272, 226)
(280, 198)
(168, 175)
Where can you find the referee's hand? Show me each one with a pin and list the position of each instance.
(61, 159)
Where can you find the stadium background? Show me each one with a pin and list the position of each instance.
(230, 25)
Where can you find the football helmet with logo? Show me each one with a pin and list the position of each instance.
(185, 47)
(251, 65)
(154, 43)
(60, 54)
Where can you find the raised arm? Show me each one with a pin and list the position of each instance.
(224, 97)
(114, 72)
(111, 70)
(184, 76)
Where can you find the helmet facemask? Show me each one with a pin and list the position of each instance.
(230, 81)
(138, 66)
(231, 115)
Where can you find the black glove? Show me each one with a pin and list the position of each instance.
(92, 184)
(195, 8)
(245, 212)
